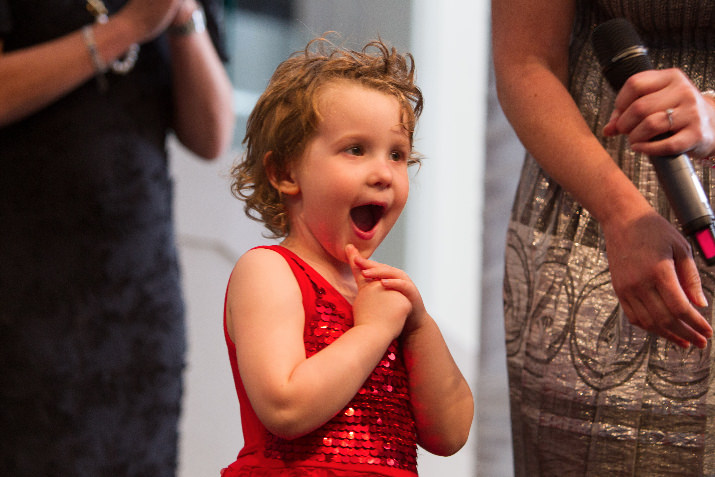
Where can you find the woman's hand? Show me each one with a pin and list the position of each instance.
(150, 19)
(664, 103)
(184, 12)
(656, 280)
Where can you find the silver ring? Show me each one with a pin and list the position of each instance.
(669, 113)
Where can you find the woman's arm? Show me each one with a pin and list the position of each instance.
(203, 116)
(37, 76)
(653, 273)
(530, 43)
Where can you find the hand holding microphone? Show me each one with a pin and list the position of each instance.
(621, 55)
(662, 112)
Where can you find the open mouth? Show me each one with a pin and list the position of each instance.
(367, 216)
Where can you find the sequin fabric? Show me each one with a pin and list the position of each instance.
(590, 394)
(376, 428)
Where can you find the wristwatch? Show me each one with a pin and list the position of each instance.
(195, 24)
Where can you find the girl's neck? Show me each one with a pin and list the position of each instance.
(336, 272)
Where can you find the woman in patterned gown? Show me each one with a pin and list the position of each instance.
(606, 309)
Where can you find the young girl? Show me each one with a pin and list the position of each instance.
(339, 369)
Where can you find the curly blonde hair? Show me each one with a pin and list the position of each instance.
(286, 115)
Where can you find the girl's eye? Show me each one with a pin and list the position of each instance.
(397, 156)
(354, 150)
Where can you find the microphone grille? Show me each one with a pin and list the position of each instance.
(619, 50)
(612, 37)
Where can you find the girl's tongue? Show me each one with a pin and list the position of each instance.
(366, 217)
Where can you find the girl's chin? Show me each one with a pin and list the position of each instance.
(365, 249)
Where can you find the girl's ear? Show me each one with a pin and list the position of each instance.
(282, 181)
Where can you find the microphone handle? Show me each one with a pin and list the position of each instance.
(690, 204)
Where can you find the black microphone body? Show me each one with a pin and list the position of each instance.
(621, 55)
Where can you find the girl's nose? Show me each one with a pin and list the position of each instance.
(380, 172)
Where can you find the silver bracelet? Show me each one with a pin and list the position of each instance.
(118, 66)
(100, 67)
(124, 66)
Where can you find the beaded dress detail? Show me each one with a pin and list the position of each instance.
(591, 394)
(373, 435)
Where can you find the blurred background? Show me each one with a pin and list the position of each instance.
(450, 239)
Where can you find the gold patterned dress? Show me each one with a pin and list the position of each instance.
(592, 395)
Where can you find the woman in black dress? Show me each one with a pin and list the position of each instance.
(91, 314)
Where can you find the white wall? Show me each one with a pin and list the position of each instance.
(212, 233)
(444, 215)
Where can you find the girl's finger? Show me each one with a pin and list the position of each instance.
(353, 257)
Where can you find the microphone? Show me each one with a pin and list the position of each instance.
(621, 54)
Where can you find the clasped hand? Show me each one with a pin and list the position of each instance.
(386, 296)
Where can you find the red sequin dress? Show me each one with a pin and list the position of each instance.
(373, 435)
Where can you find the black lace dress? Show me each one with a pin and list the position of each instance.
(91, 314)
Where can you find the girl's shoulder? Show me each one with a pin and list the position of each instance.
(260, 257)
(261, 268)
(262, 285)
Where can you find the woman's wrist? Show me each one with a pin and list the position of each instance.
(620, 205)
(189, 19)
